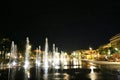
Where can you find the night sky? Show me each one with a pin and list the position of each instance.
(70, 25)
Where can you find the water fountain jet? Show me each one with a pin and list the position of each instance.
(27, 52)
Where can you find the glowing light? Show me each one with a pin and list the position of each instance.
(45, 57)
(57, 67)
(37, 63)
(27, 51)
(90, 48)
(14, 63)
(26, 64)
(28, 74)
(38, 57)
(93, 76)
(92, 67)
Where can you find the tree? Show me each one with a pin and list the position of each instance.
(5, 45)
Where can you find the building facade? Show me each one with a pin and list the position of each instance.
(115, 41)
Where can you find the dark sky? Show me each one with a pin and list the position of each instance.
(70, 25)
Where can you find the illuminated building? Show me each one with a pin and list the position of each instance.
(115, 41)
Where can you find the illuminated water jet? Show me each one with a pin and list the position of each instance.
(45, 56)
(13, 56)
(27, 52)
(38, 59)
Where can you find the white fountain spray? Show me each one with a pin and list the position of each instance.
(15, 62)
(53, 55)
(46, 60)
(57, 59)
(12, 61)
(38, 62)
(45, 57)
(38, 56)
(27, 52)
(13, 55)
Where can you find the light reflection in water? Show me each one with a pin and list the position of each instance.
(38, 68)
(45, 76)
(46, 73)
(27, 74)
(66, 76)
(60, 76)
(75, 67)
(11, 74)
(92, 74)
(65, 67)
(38, 73)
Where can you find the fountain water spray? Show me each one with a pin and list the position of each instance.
(45, 56)
(38, 63)
(46, 60)
(27, 52)
(56, 61)
(12, 61)
(13, 55)
(38, 59)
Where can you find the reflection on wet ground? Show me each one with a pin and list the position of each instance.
(69, 73)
